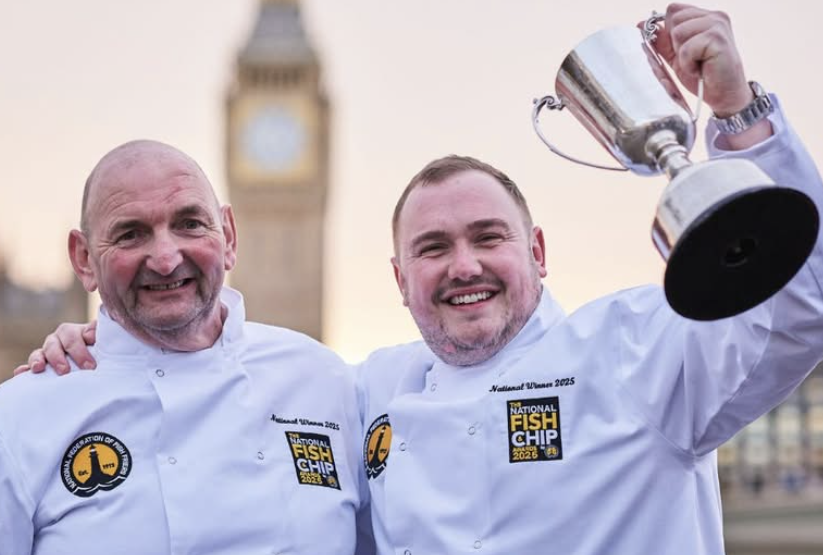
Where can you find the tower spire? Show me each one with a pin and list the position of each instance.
(278, 35)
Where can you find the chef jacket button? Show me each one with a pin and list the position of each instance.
(403, 446)
(433, 387)
(159, 372)
(260, 455)
(172, 460)
(478, 544)
(472, 430)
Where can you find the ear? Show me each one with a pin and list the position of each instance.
(401, 281)
(230, 236)
(538, 247)
(80, 257)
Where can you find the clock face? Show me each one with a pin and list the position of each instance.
(274, 139)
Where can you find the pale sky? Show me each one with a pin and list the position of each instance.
(408, 81)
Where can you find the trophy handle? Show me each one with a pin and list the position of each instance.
(552, 103)
(650, 28)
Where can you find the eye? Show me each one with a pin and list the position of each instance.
(489, 238)
(128, 236)
(432, 249)
(191, 224)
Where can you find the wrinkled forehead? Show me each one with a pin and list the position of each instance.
(144, 170)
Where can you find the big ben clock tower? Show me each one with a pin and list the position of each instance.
(277, 164)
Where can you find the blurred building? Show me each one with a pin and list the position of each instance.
(782, 451)
(771, 475)
(26, 316)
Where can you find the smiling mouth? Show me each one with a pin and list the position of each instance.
(167, 286)
(471, 298)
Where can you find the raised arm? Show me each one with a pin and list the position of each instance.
(707, 380)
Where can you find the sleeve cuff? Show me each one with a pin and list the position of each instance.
(715, 142)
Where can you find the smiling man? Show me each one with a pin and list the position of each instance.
(199, 432)
(466, 306)
(144, 198)
(515, 429)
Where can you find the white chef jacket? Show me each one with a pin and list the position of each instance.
(592, 434)
(248, 447)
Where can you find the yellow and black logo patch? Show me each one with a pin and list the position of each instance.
(377, 445)
(94, 462)
(534, 430)
(313, 459)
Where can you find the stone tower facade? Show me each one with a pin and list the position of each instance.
(277, 160)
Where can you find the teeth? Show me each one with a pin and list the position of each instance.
(470, 299)
(167, 286)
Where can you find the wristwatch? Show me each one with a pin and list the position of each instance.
(756, 110)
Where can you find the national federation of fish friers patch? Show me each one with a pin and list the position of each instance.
(534, 430)
(376, 446)
(313, 459)
(94, 462)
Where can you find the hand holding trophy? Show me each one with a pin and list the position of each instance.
(731, 237)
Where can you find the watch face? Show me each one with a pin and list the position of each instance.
(274, 138)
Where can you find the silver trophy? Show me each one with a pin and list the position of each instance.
(730, 236)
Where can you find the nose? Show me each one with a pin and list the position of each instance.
(164, 256)
(464, 264)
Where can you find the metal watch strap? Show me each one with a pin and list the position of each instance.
(755, 111)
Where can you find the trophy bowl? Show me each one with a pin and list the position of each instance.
(730, 236)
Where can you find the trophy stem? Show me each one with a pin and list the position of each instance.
(670, 155)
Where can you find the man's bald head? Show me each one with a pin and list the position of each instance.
(120, 159)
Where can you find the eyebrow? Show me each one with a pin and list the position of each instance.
(123, 225)
(186, 211)
(440, 235)
(487, 223)
(427, 237)
(193, 210)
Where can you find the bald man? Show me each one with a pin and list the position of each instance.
(515, 429)
(200, 432)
